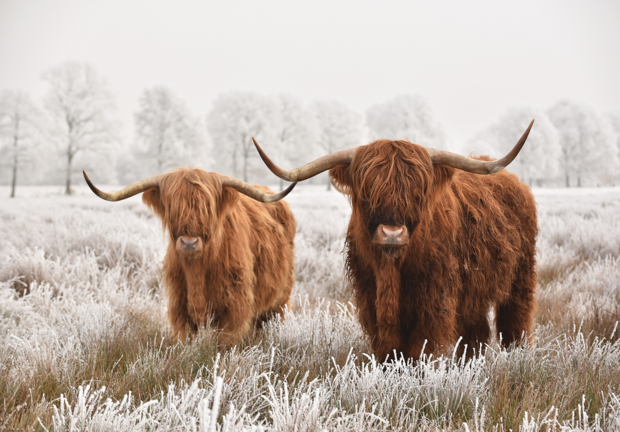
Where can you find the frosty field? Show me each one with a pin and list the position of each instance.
(84, 342)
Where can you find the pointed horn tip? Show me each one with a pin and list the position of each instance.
(95, 190)
(91, 185)
(531, 124)
(289, 189)
(279, 172)
(260, 150)
(280, 195)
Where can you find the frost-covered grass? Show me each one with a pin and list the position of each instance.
(84, 342)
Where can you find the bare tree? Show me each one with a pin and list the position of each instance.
(408, 117)
(235, 118)
(20, 122)
(614, 121)
(295, 132)
(338, 127)
(169, 135)
(587, 140)
(80, 105)
(540, 158)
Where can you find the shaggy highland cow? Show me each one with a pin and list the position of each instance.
(432, 244)
(230, 256)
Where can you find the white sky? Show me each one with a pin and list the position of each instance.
(471, 59)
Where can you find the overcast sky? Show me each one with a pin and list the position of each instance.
(471, 59)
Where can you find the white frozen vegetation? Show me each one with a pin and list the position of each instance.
(294, 132)
(539, 159)
(338, 128)
(570, 143)
(588, 141)
(85, 133)
(21, 131)
(235, 118)
(84, 343)
(168, 136)
(407, 117)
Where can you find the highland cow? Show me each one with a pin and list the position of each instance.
(432, 244)
(230, 254)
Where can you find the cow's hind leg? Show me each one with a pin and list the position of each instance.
(514, 317)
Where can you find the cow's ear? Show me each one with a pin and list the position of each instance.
(229, 198)
(339, 175)
(152, 199)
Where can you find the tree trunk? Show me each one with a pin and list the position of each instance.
(567, 181)
(15, 161)
(160, 150)
(68, 180)
(245, 168)
(234, 164)
(578, 181)
(329, 183)
(14, 181)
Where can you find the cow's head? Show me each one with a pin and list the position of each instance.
(391, 183)
(189, 203)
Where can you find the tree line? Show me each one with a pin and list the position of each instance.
(76, 128)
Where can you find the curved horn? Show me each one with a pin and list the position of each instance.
(253, 192)
(442, 157)
(315, 167)
(129, 191)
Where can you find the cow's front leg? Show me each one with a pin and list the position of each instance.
(178, 314)
(236, 318)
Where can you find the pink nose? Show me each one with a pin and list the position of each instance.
(391, 235)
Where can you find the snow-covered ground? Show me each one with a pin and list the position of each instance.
(82, 315)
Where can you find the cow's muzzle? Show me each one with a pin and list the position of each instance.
(186, 244)
(391, 235)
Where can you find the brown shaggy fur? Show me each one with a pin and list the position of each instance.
(245, 268)
(472, 246)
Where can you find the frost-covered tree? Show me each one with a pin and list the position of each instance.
(294, 132)
(167, 134)
(540, 157)
(587, 140)
(235, 118)
(80, 105)
(614, 121)
(21, 124)
(338, 127)
(407, 117)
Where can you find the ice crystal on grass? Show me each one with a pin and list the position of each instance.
(84, 341)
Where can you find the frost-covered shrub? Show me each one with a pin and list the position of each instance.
(84, 342)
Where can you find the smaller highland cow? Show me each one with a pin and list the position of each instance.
(230, 255)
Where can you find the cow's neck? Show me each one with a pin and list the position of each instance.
(387, 275)
(203, 290)
(197, 302)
